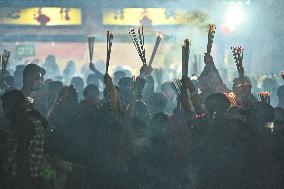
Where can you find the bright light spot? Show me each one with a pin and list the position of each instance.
(235, 14)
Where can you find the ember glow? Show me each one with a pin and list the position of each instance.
(264, 96)
(212, 28)
(243, 85)
(232, 98)
(199, 116)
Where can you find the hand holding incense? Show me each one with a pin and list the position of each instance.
(158, 40)
(109, 45)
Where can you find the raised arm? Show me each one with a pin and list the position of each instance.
(113, 98)
(210, 80)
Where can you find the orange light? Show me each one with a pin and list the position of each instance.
(212, 28)
(264, 93)
(232, 98)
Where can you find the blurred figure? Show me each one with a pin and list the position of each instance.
(217, 104)
(117, 76)
(271, 85)
(168, 92)
(242, 88)
(92, 79)
(69, 71)
(18, 76)
(78, 84)
(10, 82)
(157, 103)
(52, 69)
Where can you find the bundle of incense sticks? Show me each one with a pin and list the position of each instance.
(176, 86)
(91, 41)
(185, 57)
(232, 98)
(138, 42)
(238, 53)
(158, 40)
(4, 58)
(109, 45)
(211, 33)
(264, 97)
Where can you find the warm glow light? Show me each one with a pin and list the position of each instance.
(264, 93)
(235, 14)
(160, 35)
(232, 98)
(52, 16)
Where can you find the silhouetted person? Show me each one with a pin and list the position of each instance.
(52, 69)
(92, 79)
(33, 77)
(78, 84)
(217, 104)
(157, 103)
(69, 71)
(26, 142)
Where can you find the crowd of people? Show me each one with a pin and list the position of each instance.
(123, 132)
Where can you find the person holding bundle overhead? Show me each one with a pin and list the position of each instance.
(242, 84)
(210, 81)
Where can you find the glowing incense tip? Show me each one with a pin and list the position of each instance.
(212, 28)
(160, 35)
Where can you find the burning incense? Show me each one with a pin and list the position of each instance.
(158, 40)
(264, 97)
(211, 33)
(91, 41)
(232, 98)
(139, 45)
(238, 54)
(109, 45)
(185, 57)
